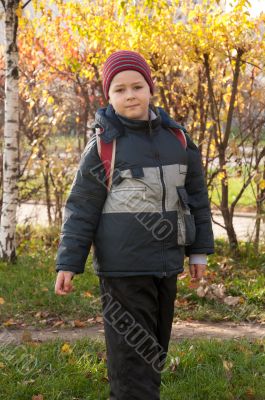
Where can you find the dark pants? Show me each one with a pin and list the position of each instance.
(138, 313)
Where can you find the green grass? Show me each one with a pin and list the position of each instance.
(207, 369)
(216, 370)
(243, 276)
(27, 286)
(235, 185)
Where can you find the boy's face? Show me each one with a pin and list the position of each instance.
(129, 94)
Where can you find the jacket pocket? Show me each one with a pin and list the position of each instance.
(186, 223)
(129, 199)
(131, 190)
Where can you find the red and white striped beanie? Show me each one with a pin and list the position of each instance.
(121, 61)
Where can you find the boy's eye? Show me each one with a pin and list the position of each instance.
(138, 87)
(118, 90)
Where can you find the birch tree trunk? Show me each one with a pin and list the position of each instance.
(10, 147)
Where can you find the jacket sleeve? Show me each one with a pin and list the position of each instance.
(198, 202)
(82, 211)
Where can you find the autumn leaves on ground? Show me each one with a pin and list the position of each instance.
(197, 369)
(232, 291)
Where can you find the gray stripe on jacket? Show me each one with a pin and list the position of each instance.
(145, 194)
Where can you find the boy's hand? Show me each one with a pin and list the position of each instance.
(197, 271)
(63, 284)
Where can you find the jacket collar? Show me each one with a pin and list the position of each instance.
(107, 119)
(141, 125)
(168, 122)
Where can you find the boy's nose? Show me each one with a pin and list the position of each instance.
(130, 94)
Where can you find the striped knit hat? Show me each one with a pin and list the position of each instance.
(121, 61)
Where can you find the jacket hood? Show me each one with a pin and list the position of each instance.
(113, 125)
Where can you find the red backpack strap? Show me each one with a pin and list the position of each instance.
(180, 135)
(106, 152)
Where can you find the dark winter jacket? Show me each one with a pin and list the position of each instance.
(156, 211)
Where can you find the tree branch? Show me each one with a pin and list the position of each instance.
(248, 181)
(214, 174)
(261, 155)
(232, 208)
(3, 4)
(213, 105)
(25, 5)
(240, 52)
(253, 65)
(218, 223)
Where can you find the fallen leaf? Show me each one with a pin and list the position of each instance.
(180, 302)
(182, 276)
(218, 290)
(210, 295)
(2, 301)
(99, 319)
(66, 348)
(2, 365)
(227, 365)
(193, 285)
(211, 275)
(102, 356)
(201, 291)
(45, 289)
(38, 397)
(87, 294)
(42, 314)
(250, 393)
(174, 363)
(214, 291)
(58, 323)
(231, 300)
(79, 324)
(9, 322)
(28, 382)
(26, 336)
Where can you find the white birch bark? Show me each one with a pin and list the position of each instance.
(10, 147)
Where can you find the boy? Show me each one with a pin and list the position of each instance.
(154, 210)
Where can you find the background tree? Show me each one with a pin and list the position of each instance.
(208, 66)
(10, 146)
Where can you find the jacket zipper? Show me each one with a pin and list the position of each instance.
(157, 158)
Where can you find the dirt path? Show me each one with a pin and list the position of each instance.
(180, 330)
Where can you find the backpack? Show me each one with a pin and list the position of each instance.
(107, 152)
